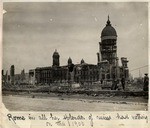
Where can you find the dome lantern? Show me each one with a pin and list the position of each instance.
(108, 22)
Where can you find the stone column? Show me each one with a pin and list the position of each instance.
(117, 74)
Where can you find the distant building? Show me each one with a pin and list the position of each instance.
(12, 74)
(56, 59)
(86, 73)
(22, 78)
(13, 79)
(107, 67)
(5, 78)
(107, 56)
(78, 73)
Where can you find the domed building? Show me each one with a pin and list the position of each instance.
(108, 48)
(107, 67)
(107, 56)
(108, 32)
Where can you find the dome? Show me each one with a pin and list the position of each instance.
(108, 32)
(82, 61)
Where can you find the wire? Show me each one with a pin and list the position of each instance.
(139, 68)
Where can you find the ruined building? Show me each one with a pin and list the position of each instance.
(107, 56)
(107, 67)
(12, 74)
(13, 78)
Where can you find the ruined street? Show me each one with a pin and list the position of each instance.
(53, 102)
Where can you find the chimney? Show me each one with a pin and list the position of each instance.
(98, 58)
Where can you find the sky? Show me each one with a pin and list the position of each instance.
(32, 32)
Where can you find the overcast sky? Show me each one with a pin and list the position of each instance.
(32, 32)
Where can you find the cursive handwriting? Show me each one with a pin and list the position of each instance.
(75, 120)
(15, 118)
(103, 117)
(71, 117)
(122, 117)
(140, 117)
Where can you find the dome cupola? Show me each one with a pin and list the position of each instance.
(108, 32)
(56, 58)
(69, 61)
(55, 53)
(82, 61)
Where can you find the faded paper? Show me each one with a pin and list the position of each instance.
(102, 119)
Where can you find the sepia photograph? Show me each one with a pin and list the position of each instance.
(75, 56)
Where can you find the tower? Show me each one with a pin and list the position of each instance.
(82, 61)
(71, 71)
(107, 57)
(98, 58)
(22, 75)
(12, 74)
(56, 58)
(108, 48)
(69, 61)
(125, 70)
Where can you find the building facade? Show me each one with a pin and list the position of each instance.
(107, 67)
(14, 79)
(71, 73)
(107, 55)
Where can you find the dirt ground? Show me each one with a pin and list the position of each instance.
(76, 102)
